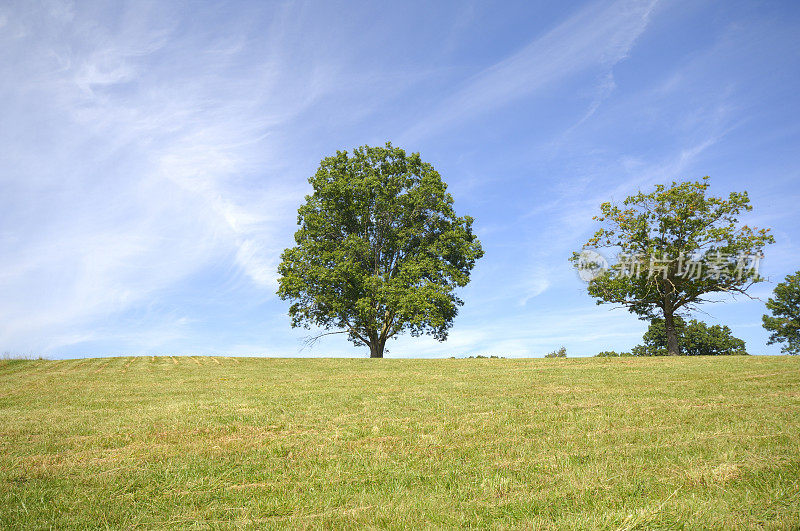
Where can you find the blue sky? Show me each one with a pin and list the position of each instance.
(153, 155)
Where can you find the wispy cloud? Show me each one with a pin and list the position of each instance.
(153, 159)
(599, 35)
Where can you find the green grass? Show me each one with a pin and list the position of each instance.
(559, 443)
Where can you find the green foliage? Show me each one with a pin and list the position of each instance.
(695, 338)
(674, 223)
(379, 250)
(784, 323)
(560, 353)
(641, 350)
(612, 354)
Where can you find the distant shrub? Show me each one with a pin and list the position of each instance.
(612, 354)
(696, 338)
(479, 357)
(560, 353)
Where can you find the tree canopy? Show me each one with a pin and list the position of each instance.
(784, 323)
(677, 245)
(380, 249)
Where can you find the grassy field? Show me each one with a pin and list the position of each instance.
(558, 443)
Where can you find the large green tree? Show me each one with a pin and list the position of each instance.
(784, 323)
(379, 250)
(677, 245)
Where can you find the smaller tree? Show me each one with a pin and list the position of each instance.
(784, 323)
(677, 246)
(696, 338)
(560, 353)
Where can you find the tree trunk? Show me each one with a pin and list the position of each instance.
(376, 349)
(672, 334)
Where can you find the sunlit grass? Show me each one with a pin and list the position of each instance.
(557, 443)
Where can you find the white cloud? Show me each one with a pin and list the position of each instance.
(535, 284)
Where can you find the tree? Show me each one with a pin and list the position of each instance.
(379, 250)
(677, 246)
(695, 338)
(560, 353)
(784, 323)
